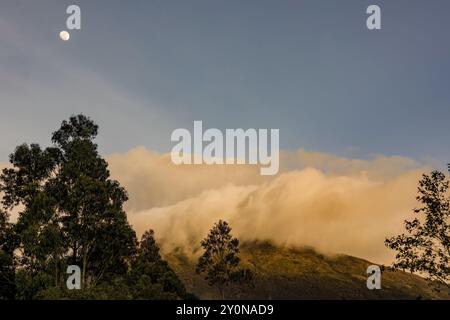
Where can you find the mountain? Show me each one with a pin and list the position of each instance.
(303, 273)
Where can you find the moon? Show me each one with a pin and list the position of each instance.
(64, 35)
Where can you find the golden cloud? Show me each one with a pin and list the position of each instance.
(334, 204)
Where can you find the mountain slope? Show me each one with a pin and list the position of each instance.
(287, 273)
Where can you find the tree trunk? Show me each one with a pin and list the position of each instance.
(83, 273)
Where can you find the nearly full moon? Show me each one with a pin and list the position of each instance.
(64, 35)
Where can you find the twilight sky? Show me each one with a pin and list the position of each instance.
(143, 68)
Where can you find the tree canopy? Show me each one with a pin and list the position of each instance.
(70, 213)
(220, 262)
(425, 247)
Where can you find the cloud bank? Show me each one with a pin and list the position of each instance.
(334, 204)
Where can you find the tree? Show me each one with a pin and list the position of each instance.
(72, 211)
(25, 184)
(7, 268)
(94, 225)
(152, 276)
(220, 261)
(425, 248)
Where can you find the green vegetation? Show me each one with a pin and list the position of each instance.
(303, 273)
(71, 213)
(7, 270)
(220, 261)
(151, 275)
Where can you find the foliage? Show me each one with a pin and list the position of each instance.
(220, 261)
(425, 248)
(152, 276)
(71, 213)
(7, 270)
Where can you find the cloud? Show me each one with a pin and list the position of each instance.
(334, 204)
(380, 167)
(152, 180)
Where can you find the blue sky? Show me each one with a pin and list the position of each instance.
(310, 68)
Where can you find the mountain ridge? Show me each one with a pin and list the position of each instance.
(303, 273)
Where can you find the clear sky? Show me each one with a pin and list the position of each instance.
(143, 68)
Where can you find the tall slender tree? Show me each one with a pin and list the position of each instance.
(220, 262)
(72, 212)
(90, 204)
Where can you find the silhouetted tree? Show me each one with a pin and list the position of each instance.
(425, 248)
(94, 225)
(25, 184)
(72, 211)
(220, 261)
(7, 268)
(152, 276)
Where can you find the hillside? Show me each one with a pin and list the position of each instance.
(286, 273)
